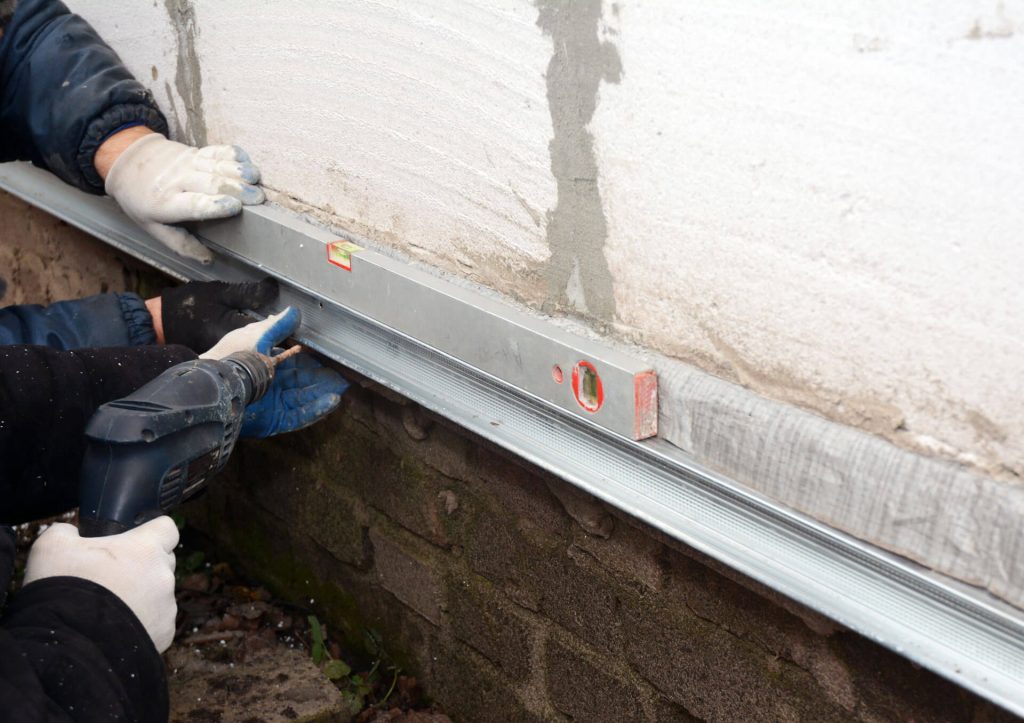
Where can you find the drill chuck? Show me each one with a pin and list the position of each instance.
(259, 371)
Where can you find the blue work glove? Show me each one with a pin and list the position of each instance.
(260, 336)
(303, 392)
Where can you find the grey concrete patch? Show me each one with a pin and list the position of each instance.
(577, 272)
(188, 78)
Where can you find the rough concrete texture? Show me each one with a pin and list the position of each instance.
(275, 685)
(488, 590)
(819, 202)
(44, 260)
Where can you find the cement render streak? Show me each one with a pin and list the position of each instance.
(188, 78)
(576, 228)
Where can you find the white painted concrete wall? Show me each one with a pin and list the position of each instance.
(826, 202)
(822, 201)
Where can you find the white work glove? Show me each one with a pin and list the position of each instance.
(137, 566)
(159, 182)
(260, 336)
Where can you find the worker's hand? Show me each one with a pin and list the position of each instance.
(198, 314)
(303, 392)
(159, 182)
(137, 566)
(260, 336)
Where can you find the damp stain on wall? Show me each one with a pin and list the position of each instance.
(578, 276)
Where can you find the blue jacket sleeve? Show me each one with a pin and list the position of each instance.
(63, 91)
(95, 321)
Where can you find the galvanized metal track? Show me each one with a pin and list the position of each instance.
(954, 630)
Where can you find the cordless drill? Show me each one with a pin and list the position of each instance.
(151, 450)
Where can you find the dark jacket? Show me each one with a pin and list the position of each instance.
(63, 91)
(95, 321)
(46, 398)
(58, 364)
(71, 650)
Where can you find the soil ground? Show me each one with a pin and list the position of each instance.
(240, 656)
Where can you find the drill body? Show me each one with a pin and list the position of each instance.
(151, 450)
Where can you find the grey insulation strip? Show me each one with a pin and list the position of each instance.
(936, 512)
(961, 633)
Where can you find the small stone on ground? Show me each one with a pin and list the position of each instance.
(274, 684)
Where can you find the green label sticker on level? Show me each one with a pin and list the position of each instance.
(340, 253)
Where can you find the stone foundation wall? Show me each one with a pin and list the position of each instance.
(512, 596)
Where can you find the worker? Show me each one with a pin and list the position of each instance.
(82, 639)
(59, 363)
(69, 105)
(196, 315)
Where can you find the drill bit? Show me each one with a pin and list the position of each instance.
(290, 352)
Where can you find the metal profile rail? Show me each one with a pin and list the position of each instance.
(958, 632)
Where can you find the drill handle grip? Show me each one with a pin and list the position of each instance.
(92, 527)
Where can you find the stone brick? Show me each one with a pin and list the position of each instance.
(480, 616)
(583, 689)
(358, 401)
(410, 495)
(408, 575)
(815, 621)
(519, 492)
(889, 687)
(544, 574)
(407, 491)
(628, 553)
(334, 517)
(393, 629)
(748, 614)
(467, 684)
(448, 452)
(732, 606)
(587, 511)
(716, 675)
(341, 453)
(504, 549)
(578, 595)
